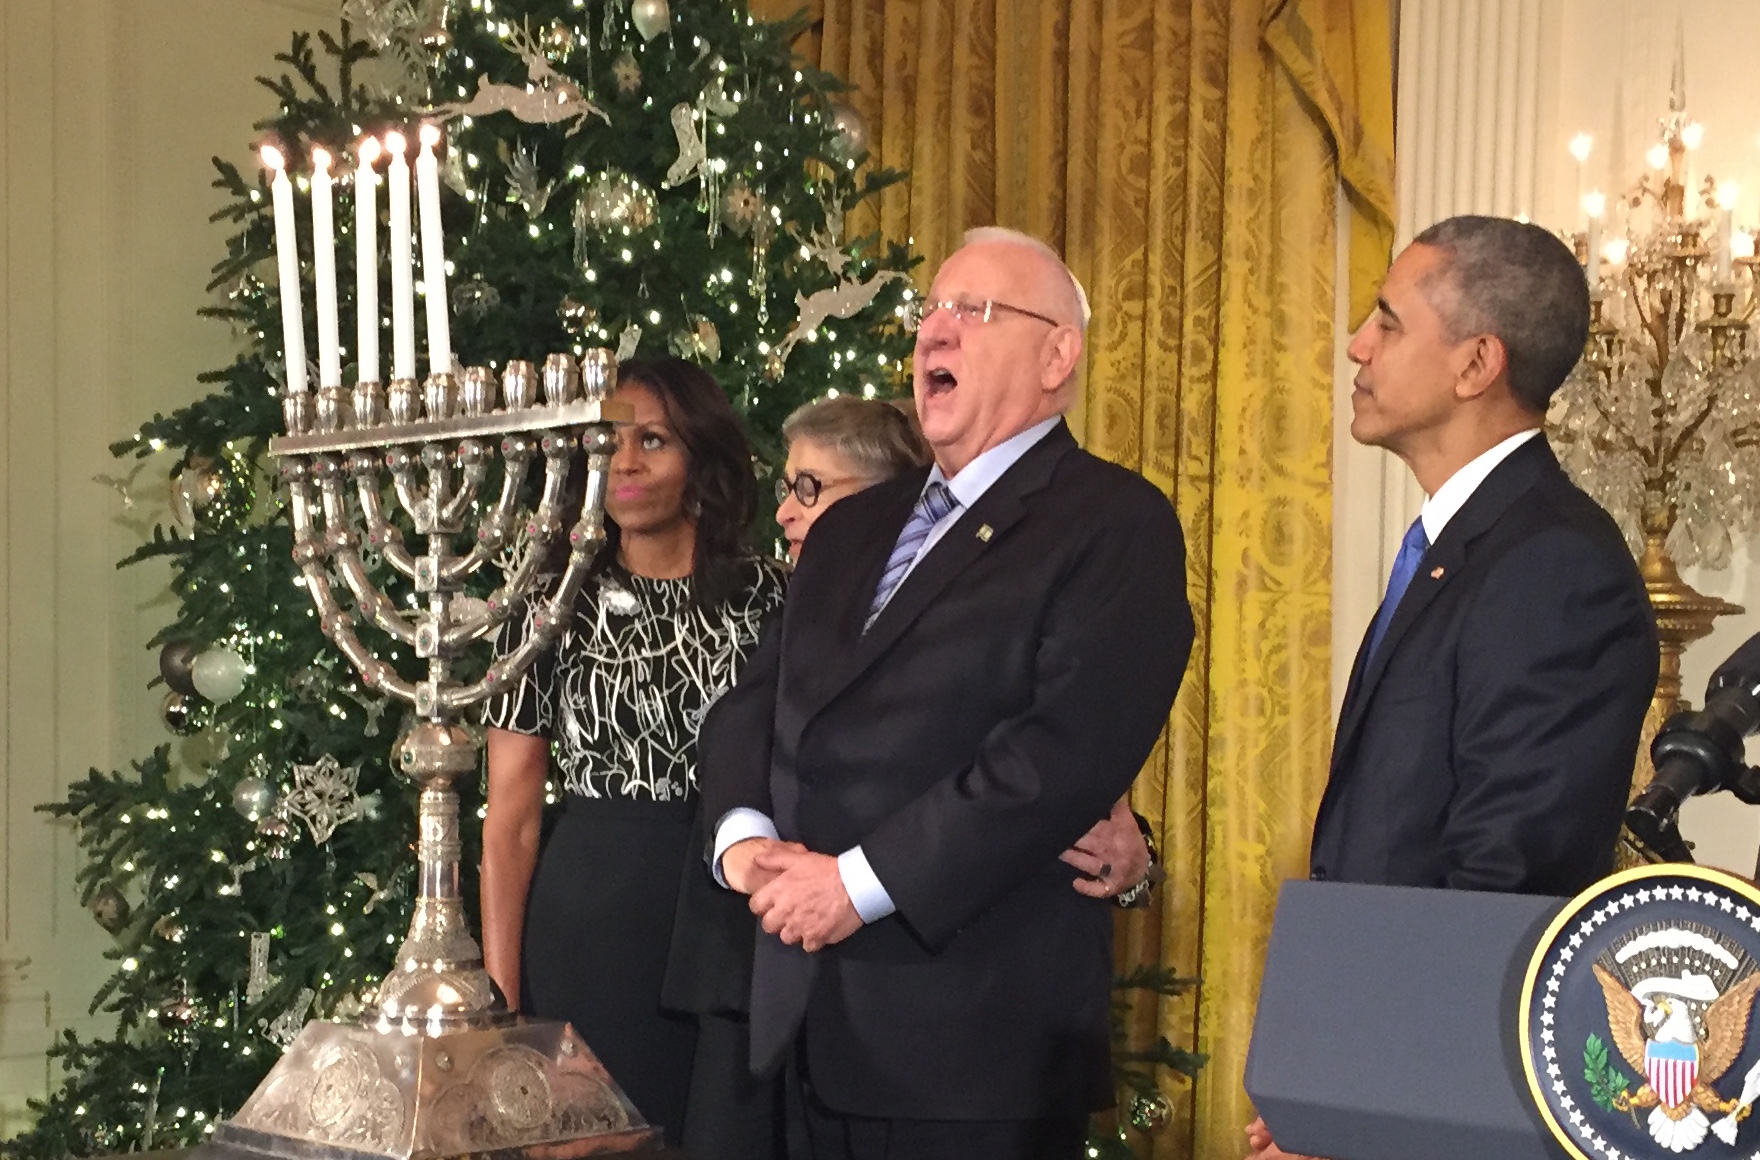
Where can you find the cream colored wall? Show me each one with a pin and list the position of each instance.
(1490, 94)
(109, 112)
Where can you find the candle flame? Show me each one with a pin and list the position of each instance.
(394, 142)
(368, 150)
(272, 157)
(1580, 146)
(1594, 203)
(430, 135)
(320, 159)
(1727, 193)
(1657, 156)
(1693, 135)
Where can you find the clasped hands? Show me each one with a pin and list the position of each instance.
(801, 898)
(798, 894)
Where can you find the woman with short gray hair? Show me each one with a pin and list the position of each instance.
(836, 447)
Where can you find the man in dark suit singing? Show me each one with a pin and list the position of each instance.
(972, 665)
(1490, 726)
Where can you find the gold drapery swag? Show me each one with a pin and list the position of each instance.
(1186, 157)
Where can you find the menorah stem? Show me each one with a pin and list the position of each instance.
(439, 985)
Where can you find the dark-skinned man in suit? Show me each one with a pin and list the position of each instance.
(1491, 723)
(972, 665)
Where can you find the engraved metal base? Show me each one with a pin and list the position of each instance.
(527, 1089)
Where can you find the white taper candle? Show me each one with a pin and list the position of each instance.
(366, 261)
(433, 253)
(1727, 195)
(293, 335)
(1594, 205)
(324, 270)
(403, 295)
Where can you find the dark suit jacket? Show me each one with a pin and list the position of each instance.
(1489, 742)
(1003, 700)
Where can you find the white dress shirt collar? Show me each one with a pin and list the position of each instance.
(1453, 495)
(976, 477)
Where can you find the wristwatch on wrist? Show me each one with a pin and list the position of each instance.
(1138, 896)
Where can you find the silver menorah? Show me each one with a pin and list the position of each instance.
(437, 1066)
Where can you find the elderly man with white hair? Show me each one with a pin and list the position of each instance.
(973, 663)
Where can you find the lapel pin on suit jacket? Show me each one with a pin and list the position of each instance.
(1436, 573)
(985, 531)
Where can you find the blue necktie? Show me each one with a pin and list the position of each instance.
(932, 506)
(1405, 566)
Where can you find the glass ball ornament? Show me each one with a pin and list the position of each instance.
(109, 908)
(558, 39)
(615, 202)
(175, 660)
(178, 1014)
(169, 929)
(774, 365)
(475, 299)
(435, 40)
(1150, 1113)
(213, 494)
(183, 716)
(651, 17)
(577, 317)
(219, 675)
(849, 133)
(253, 798)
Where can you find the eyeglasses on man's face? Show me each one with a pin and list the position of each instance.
(918, 310)
(805, 487)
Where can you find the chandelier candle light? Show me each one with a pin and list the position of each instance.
(1660, 421)
(437, 1067)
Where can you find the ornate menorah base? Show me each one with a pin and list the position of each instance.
(522, 1089)
(438, 1069)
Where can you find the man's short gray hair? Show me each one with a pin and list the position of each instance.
(1518, 282)
(1017, 238)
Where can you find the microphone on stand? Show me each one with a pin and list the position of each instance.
(1699, 752)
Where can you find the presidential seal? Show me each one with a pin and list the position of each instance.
(1635, 1017)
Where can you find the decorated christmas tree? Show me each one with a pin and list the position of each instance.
(648, 175)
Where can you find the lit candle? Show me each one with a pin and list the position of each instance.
(403, 294)
(1727, 192)
(433, 253)
(1692, 136)
(1580, 146)
(366, 261)
(324, 270)
(293, 335)
(1594, 205)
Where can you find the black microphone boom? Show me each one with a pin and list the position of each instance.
(1700, 752)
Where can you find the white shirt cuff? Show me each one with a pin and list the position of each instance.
(864, 889)
(736, 826)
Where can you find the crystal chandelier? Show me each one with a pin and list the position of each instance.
(1660, 420)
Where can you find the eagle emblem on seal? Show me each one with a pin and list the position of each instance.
(1678, 1000)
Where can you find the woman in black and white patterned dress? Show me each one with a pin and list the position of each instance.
(581, 931)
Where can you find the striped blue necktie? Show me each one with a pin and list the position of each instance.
(932, 507)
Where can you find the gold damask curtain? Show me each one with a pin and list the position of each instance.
(1185, 155)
